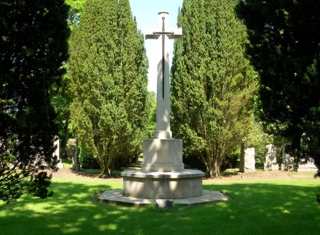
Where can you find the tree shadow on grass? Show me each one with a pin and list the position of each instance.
(255, 208)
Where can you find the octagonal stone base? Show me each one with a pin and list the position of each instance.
(162, 185)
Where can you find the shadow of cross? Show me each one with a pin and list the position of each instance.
(162, 34)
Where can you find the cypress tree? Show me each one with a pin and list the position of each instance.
(212, 82)
(108, 75)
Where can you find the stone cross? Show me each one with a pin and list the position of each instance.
(163, 91)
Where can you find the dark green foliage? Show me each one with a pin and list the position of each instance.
(212, 82)
(108, 71)
(32, 48)
(39, 186)
(285, 49)
(86, 158)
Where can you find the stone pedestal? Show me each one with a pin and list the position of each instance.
(162, 155)
(162, 185)
(162, 174)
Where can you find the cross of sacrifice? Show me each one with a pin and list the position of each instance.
(163, 90)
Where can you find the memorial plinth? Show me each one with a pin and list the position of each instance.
(162, 155)
(162, 174)
(163, 185)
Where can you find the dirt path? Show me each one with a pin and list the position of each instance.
(266, 175)
(237, 176)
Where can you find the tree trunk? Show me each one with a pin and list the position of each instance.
(106, 172)
(241, 167)
(213, 169)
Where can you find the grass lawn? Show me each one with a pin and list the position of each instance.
(257, 207)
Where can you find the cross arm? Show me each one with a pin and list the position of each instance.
(171, 34)
(151, 35)
(176, 33)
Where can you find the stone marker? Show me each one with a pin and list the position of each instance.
(287, 159)
(162, 174)
(271, 158)
(307, 165)
(163, 203)
(249, 160)
(56, 152)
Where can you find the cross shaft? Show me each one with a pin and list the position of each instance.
(163, 99)
(163, 33)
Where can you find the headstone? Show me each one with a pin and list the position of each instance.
(249, 160)
(271, 158)
(287, 159)
(57, 152)
(307, 165)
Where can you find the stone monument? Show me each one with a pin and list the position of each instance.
(56, 152)
(307, 165)
(162, 177)
(271, 158)
(162, 172)
(249, 160)
(287, 160)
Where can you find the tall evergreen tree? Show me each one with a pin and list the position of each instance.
(33, 46)
(285, 49)
(212, 82)
(108, 71)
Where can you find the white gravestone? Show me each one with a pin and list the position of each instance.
(307, 165)
(271, 158)
(56, 152)
(249, 160)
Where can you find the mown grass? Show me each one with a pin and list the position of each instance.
(255, 207)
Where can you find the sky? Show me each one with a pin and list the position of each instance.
(146, 13)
